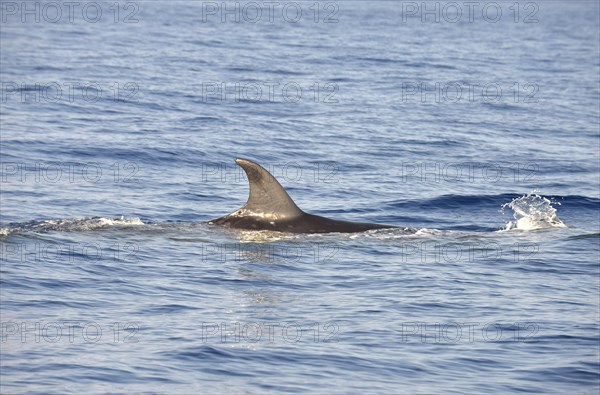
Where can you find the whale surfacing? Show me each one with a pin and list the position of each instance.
(269, 207)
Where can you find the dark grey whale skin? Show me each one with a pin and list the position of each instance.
(269, 207)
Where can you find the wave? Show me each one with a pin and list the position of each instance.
(453, 201)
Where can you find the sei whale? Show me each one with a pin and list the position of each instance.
(269, 207)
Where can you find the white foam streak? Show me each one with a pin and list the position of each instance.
(71, 224)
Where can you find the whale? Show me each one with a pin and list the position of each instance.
(269, 207)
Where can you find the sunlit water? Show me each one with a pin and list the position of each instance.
(112, 280)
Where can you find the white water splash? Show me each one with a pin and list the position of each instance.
(531, 212)
(76, 224)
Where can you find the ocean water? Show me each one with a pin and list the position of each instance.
(477, 128)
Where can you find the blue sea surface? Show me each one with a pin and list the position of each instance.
(475, 128)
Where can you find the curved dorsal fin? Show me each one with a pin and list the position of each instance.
(267, 197)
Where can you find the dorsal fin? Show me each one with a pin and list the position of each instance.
(267, 197)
